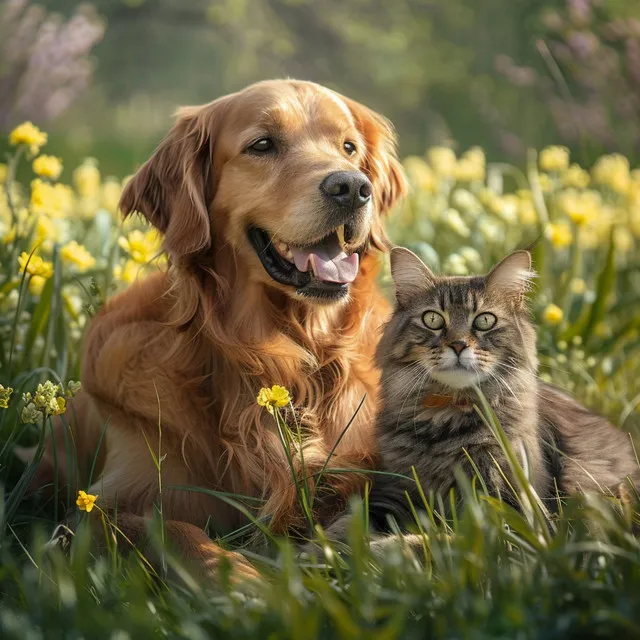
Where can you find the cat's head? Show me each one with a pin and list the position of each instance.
(460, 331)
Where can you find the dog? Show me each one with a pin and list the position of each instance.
(270, 202)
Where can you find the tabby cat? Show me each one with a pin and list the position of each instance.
(446, 335)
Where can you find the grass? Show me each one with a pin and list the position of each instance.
(487, 571)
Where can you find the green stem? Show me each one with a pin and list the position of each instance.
(53, 313)
(11, 176)
(576, 268)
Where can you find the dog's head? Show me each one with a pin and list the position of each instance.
(292, 176)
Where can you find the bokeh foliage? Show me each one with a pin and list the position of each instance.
(503, 75)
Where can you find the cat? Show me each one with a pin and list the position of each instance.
(447, 335)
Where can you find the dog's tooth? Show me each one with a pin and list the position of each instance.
(282, 248)
(340, 234)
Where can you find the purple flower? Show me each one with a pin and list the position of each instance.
(47, 65)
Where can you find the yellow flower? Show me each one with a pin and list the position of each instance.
(9, 236)
(486, 196)
(47, 231)
(36, 265)
(598, 231)
(86, 179)
(4, 172)
(277, 396)
(128, 273)
(506, 207)
(86, 501)
(554, 158)
(420, 173)
(55, 200)
(527, 212)
(559, 234)
(5, 395)
(141, 246)
(47, 167)
(546, 184)
(471, 167)
(47, 399)
(576, 176)
(490, 229)
(60, 408)
(552, 314)
(476, 155)
(443, 161)
(454, 221)
(634, 220)
(613, 172)
(73, 387)
(578, 286)
(580, 207)
(64, 197)
(76, 254)
(28, 134)
(42, 196)
(30, 415)
(36, 285)
(455, 265)
(111, 192)
(623, 239)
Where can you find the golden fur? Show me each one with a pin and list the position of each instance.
(184, 353)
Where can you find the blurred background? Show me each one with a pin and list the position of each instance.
(104, 77)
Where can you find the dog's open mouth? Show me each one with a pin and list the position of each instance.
(323, 269)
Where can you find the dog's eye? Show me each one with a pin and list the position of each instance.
(350, 148)
(262, 145)
(484, 322)
(433, 320)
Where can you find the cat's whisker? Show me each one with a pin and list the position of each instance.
(418, 382)
(509, 366)
(501, 382)
(423, 379)
(508, 387)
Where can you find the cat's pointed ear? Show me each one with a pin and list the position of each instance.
(512, 277)
(411, 276)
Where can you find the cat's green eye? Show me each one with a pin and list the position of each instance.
(433, 320)
(485, 321)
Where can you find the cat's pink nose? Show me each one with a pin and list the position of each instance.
(458, 346)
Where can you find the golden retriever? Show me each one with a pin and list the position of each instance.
(270, 203)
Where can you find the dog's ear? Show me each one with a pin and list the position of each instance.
(381, 162)
(174, 188)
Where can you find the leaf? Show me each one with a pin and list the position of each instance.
(606, 283)
(39, 319)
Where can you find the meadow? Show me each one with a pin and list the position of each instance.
(489, 572)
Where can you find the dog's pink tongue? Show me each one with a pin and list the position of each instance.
(328, 261)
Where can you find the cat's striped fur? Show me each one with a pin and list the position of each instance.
(427, 420)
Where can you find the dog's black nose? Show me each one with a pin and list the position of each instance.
(349, 189)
